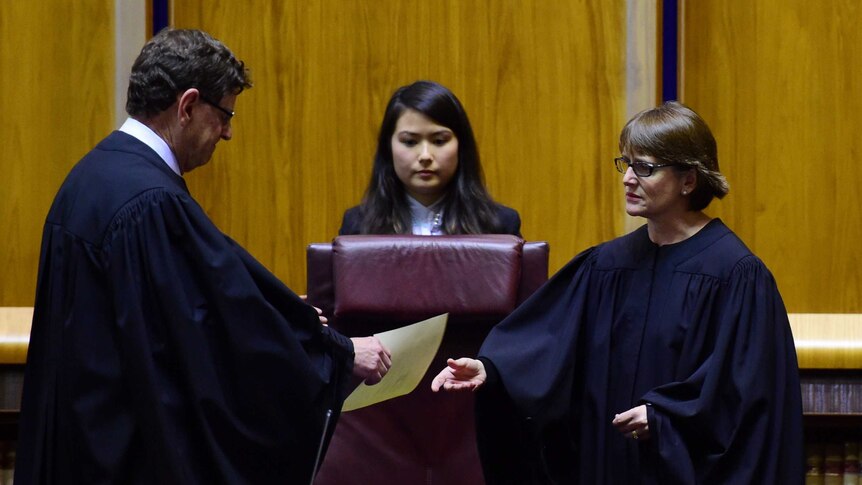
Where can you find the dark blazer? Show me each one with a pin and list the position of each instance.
(508, 220)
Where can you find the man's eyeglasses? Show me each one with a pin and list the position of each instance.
(641, 169)
(215, 105)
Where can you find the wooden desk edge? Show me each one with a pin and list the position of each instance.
(823, 340)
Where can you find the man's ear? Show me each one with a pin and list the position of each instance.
(185, 104)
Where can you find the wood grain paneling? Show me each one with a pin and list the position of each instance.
(14, 334)
(57, 99)
(543, 83)
(780, 83)
(828, 341)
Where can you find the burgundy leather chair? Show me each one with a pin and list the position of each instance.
(369, 284)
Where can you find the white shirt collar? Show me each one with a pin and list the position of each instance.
(427, 221)
(150, 138)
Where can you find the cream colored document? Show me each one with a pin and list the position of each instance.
(413, 347)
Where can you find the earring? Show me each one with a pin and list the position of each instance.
(684, 192)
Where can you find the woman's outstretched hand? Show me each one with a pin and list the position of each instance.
(461, 374)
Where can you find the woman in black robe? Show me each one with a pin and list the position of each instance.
(663, 356)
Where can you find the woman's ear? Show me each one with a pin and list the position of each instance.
(689, 181)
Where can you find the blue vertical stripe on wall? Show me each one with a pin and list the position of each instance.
(160, 15)
(670, 44)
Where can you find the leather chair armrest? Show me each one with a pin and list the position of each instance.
(320, 285)
(534, 268)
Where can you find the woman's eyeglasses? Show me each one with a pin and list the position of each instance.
(641, 169)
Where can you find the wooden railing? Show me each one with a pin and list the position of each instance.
(829, 348)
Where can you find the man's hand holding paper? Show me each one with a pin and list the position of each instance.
(411, 349)
(372, 359)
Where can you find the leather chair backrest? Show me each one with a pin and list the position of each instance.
(403, 278)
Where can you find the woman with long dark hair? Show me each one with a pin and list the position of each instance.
(427, 178)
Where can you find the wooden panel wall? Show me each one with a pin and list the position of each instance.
(542, 82)
(780, 83)
(57, 100)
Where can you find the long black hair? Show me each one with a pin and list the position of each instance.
(467, 206)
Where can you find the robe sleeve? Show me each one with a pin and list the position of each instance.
(529, 357)
(735, 418)
(225, 360)
(533, 349)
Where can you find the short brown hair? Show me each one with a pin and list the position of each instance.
(674, 133)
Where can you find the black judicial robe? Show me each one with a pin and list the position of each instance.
(161, 351)
(696, 329)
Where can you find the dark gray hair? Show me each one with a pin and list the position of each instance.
(176, 60)
(674, 133)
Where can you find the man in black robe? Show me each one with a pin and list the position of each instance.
(161, 351)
